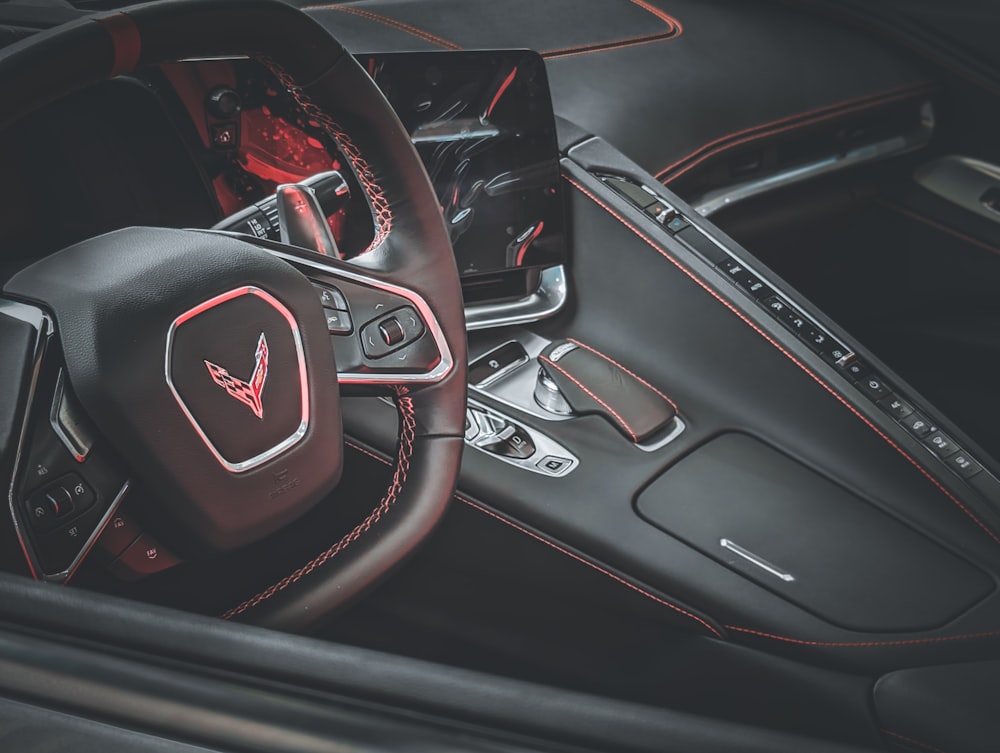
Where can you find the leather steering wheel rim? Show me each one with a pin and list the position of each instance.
(411, 243)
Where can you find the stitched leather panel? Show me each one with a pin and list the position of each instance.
(617, 72)
(555, 27)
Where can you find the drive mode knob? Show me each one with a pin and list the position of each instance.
(548, 396)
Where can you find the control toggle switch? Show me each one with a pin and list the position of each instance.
(391, 331)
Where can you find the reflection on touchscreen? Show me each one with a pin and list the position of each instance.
(482, 123)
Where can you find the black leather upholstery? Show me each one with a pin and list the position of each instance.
(734, 65)
(950, 708)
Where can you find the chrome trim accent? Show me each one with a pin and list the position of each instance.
(961, 181)
(544, 444)
(713, 201)
(674, 430)
(44, 327)
(547, 300)
(517, 387)
(296, 436)
(753, 559)
(74, 440)
(548, 395)
(436, 374)
(65, 575)
(505, 370)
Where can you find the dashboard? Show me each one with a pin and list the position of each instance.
(228, 134)
(873, 516)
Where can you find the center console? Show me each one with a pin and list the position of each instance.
(801, 496)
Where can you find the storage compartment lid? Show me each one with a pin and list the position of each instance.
(798, 534)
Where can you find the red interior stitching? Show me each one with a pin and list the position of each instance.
(590, 564)
(809, 117)
(583, 387)
(612, 361)
(701, 283)
(377, 200)
(674, 30)
(938, 226)
(865, 644)
(660, 14)
(618, 44)
(734, 628)
(426, 36)
(910, 741)
(708, 626)
(398, 480)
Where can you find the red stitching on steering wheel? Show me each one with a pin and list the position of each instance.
(381, 213)
(406, 436)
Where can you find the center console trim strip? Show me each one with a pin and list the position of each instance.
(547, 300)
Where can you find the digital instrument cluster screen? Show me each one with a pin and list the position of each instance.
(482, 122)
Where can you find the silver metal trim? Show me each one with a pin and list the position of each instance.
(439, 372)
(502, 372)
(517, 387)
(753, 559)
(545, 446)
(961, 181)
(44, 327)
(548, 395)
(79, 447)
(296, 436)
(64, 576)
(713, 201)
(547, 300)
(675, 429)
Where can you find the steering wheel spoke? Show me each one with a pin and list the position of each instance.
(210, 363)
(67, 484)
(385, 336)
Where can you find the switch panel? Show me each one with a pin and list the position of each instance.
(503, 438)
(867, 382)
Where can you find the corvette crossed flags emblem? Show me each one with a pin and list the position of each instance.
(247, 392)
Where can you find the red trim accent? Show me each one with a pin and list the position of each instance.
(583, 387)
(708, 626)
(674, 30)
(527, 244)
(406, 436)
(660, 14)
(501, 91)
(791, 122)
(701, 283)
(425, 36)
(638, 378)
(938, 226)
(910, 741)
(608, 46)
(277, 306)
(127, 42)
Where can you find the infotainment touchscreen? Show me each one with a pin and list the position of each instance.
(482, 123)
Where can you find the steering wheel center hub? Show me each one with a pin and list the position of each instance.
(207, 363)
(236, 365)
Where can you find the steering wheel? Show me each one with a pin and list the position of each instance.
(204, 361)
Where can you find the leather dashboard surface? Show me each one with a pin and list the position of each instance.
(659, 79)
